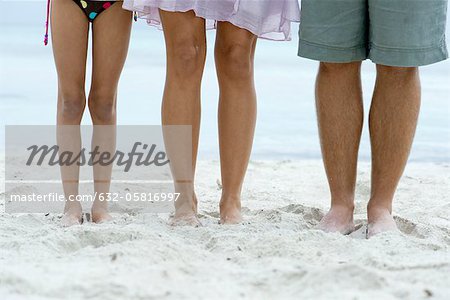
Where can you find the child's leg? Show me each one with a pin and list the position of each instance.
(186, 52)
(111, 36)
(69, 48)
(234, 53)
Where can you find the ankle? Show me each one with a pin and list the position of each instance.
(343, 206)
(184, 186)
(187, 203)
(98, 208)
(73, 208)
(230, 198)
(99, 204)
(379, 207)
(186, 193)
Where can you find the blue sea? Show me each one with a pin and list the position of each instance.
(286, 126)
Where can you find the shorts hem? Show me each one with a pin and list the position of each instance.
(326, 53)
(408, 57)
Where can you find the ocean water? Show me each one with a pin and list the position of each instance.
(286, 127)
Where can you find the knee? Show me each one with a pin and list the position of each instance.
(340, 68)
(187, 58)
(72, 104)
(102, 106)
(397, 72)
(235, 61)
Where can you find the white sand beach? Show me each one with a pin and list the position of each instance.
(276, 253)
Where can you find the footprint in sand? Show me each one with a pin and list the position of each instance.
(409, 228)
(311, 215)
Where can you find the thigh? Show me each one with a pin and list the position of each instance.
(111, 37)
(334, 30)
(70, 30)
(407, 32)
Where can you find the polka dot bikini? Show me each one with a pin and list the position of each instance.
(92, 9)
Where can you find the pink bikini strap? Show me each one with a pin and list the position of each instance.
(47, 23)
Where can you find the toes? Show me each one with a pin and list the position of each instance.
(375, 229)
(331, 225)
(69, 220)
(230, 217)
(101, 218)
(185, 220)
(230, 220)
(381, 223)
(348, 230)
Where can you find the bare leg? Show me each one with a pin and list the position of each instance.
(393, 120)
(340, 116)
(234, 53)
(111, 36)
(186, 53)
(70, 50)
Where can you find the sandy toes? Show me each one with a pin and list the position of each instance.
(73, 214)
(101, 216)
(184, 220)
(230, 219)
(230, 212)
(70, 219)
(185, 212)
(381, 222)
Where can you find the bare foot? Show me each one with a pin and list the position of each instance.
(380, 220)
(100, 215)
(185, 220)
(70, 220)
(230, 210)
(338, 219)
(185, 213)
(72, 214)
(99, 212)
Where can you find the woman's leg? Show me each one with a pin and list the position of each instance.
(186, 52)
(234, 52)
(111, 37)
(69, 41)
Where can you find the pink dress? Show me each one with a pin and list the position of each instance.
(269, 19)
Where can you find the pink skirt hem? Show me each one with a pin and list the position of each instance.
(267, 19)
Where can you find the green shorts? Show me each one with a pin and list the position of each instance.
(404, 33)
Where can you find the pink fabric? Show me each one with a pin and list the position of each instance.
(269, 19)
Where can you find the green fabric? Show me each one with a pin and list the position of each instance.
(402, 33)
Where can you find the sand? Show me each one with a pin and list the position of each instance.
(275, 254)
